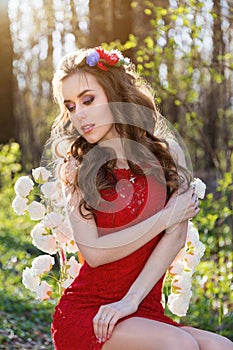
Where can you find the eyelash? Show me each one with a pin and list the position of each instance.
(71, 108)
(86, 101)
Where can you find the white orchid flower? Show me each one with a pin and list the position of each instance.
(42, 264)
(178, 303)
(65, 284)
(19, 205)
(23, 186)
(53, 220)
(200, 187)
(36, 210)
(63, 232)
(50, 190)
(41, 174)
(185, 263)
(73, 267)
(43, 240)
(30, 281)
(71, 247)
(43, 291)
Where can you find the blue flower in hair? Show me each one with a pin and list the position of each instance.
(92, 58)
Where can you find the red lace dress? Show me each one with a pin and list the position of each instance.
(72, 324)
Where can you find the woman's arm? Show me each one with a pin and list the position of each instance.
(98, 250)
(157, 264)
(166, 250)
(155, 267)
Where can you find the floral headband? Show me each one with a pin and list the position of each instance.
(103, 58)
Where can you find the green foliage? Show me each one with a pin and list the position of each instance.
(211, 305)
(23, 320)
(191, 81)
(26, 321)
(213, 283)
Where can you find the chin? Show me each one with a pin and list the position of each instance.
(90, 139)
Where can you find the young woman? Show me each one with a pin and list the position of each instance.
(129, 199)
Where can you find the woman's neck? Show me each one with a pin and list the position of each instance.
(116, 145)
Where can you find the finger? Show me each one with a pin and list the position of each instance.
(100, 328)
(100, 323)
(105, 327)
(196, 211)
(111, 325)
(195, 200)
(95, 321)
(97, 326)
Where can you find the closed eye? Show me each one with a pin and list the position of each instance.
(87, 100)
(70, 106)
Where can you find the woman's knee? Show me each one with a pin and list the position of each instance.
(209, 340)
(185, 341)
(217, 343)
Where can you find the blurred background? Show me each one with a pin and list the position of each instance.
(185, 50)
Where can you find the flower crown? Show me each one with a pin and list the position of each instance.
(103, 58)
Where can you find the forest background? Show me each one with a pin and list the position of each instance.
(185, 49)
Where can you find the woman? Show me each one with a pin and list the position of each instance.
(129, 200)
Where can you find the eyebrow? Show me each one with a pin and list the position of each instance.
(79, 95)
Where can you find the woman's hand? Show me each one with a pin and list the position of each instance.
(108, 315)
(183, 206)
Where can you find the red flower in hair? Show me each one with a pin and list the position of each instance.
(106, 58)
(103, 58)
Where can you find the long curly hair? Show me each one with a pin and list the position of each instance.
(137, 121)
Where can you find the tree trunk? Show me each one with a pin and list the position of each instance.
(7, 118)
(214, 100)
(110, 20)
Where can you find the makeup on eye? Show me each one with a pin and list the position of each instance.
(70, 106)
(87, 99)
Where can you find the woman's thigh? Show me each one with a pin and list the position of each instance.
(208, 340)
(140, 333)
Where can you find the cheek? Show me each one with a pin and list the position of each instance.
(75, 122)
(107, 115)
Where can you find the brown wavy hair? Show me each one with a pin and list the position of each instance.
(137, 121)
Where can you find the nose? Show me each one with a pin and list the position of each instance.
(79, 114)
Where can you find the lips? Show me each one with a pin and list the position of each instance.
(87, 128)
